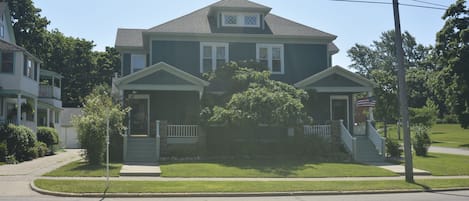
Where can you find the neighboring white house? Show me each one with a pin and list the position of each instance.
(68, 135)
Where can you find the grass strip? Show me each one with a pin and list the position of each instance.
(443, 164)
(253, 169)
(72, 186)
(82, 169)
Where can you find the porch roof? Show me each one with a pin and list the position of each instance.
(336, 79)
(161, 77)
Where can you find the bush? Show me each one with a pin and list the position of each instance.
(11, 159)
(41, 148)
(20, 140)
(3, 151)
(393, 148)
(450, 119)
(49, 136)
(425, 116)
(421, 141)
(464, 120)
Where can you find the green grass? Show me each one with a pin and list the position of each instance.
(450, 135)
(443, 164)
(72, 186)
(270, 168)
(444, 135)
(2, 163)
(82, 169)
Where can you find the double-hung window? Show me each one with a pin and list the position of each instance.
(271, 55)
(7, 62)
(230, 19)
(137, 62)
(212, 56)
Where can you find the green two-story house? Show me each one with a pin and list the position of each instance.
(162, 67)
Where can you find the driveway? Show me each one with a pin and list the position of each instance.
(15, 179)
(447, 150)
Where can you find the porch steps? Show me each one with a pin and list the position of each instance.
(366, 151)
(141, 150)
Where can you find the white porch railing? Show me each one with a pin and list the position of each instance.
(183, 130)
(375, 138)
(349, 141)
(317, 130)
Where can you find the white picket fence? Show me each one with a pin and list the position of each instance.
(183, 130)
(318, 130)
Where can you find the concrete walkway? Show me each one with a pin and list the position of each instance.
(15, 179)
(446, 150)
(140, 169)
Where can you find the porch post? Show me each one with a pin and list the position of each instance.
(48, 117)
(157, 140)
(370, 109)
(35, 112)
(18, 110)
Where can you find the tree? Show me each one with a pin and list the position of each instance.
(386, 95)
(91, 125)
(252, 99)
(452, 50)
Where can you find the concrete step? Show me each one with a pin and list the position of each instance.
(141, 149)
(366, 151)
(140, 170)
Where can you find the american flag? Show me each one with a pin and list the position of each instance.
(366, 102)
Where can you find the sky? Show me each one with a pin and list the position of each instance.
(352, 23)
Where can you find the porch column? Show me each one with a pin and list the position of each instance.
(35, 112)
(47, 117)
(18, 110)
(370, 109)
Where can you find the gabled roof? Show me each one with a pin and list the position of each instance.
(131, 38)
(239, 5)
(353, 82)
(162, 66)
(9, 47)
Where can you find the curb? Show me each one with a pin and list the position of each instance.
(251, 194)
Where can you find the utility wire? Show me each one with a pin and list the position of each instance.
(430, 3)
(389, 3)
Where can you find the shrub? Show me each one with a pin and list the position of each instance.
(421, 141)
(464, 120)
(450, 119)
(3, 151)
(425, 116)
(49, 136)
(393, 148)
(11, 159)
(20, 140)
(41, 148)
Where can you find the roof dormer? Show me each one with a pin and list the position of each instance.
(239, 13)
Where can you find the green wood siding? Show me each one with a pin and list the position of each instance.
(318, 106)
(302, 61)
(242, 51)
(184, 55)
(126, 64)
(336, 81)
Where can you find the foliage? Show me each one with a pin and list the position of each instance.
(425, 116)
(464, 120)
(421, 140)
(49, 136)
(41, 148)
(20, 141)
(3, 151)
(393, 148)
(452, 51)
(91, 125)
(251, 98)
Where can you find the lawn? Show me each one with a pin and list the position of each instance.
(82, 169)
(443, 164)
(444, 135)
(71, 186)
(2, 163)
(270, 168)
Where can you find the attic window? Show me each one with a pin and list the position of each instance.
(240, 19)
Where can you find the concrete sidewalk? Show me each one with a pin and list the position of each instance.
(447, 150)
(15, 179)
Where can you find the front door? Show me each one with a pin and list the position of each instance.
(340, 108)
(139, 115)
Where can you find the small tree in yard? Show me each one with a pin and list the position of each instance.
(421, 141)
(91, 125)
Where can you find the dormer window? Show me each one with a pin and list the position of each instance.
(240, 19)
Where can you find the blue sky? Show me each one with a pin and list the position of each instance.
(98, 20)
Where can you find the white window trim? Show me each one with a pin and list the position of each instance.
(240, 19)
(214, 54)
(132, 69)
(340, 97)
(269, 56)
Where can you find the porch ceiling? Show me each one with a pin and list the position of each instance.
(161, 77)
(336, 79)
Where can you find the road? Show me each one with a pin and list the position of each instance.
(446, 196)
